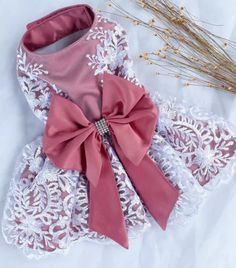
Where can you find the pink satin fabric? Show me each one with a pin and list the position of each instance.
(57, 25)
(68, 67)
(71, 141)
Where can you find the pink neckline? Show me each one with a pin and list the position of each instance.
(65, 49)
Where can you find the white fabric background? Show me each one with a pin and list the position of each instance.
(210, 241)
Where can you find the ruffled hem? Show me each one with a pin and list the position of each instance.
(193, 193)
(134, 233)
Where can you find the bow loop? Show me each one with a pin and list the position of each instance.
(70, 139)
(131, 115)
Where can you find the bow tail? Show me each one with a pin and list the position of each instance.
(157, 193)
(105, 211)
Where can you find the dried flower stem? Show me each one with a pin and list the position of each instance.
(191, 52)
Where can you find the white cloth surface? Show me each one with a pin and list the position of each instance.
(210, 240)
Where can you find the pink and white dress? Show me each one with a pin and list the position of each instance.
(88, 88)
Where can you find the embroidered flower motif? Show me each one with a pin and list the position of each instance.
(110, 55)
(111, 52)
(98, 33)
(36, 164)
(204, 157)
(127, 72)
(210, 161)
(49, 208)
(36, 90)
(32, 70)
(44, 99)
(203, 142)
(167, 111)
(29, 234)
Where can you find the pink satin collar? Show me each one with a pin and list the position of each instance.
(71, 141)
(57, 25)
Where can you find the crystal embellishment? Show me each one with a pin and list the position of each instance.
(102, 126)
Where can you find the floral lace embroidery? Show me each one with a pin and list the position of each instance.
(32, 70)
(111, 52)
(192, 194)
(205, 143)
(47, 208)
(37, 92)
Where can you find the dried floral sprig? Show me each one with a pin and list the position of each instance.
(190, 51)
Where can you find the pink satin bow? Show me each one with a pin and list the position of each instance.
(71, 141)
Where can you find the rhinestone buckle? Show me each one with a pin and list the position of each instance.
(102, 126)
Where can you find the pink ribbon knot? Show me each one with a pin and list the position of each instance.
(129, 116)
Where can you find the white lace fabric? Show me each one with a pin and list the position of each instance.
(47, 208)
